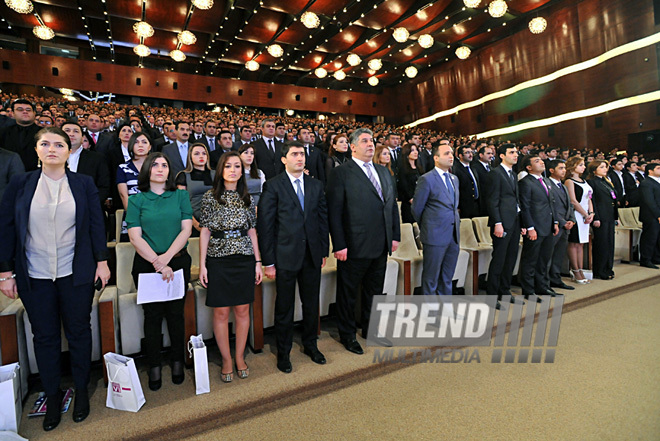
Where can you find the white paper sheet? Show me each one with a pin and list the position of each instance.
(152, 288)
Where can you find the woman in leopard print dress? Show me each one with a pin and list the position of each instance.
(230, 263)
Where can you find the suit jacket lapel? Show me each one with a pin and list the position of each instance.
(355, 168)
(24, 210)
(292, 193)
(79, 197)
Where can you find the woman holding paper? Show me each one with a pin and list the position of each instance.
(159, 221)
(229, 262)
(52, 250)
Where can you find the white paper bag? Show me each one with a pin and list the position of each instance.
(197, 350)
(124, 388)
(11, 406)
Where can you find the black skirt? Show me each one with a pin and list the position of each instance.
(231, 280)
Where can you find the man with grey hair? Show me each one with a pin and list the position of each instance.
(364, 225)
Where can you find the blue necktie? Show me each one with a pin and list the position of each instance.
(299, 193)
(450, 187)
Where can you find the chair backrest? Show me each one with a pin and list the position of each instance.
(482, 229)
(626, 217)
(119, 216)
(125, 254)
(399, 205)
(468, 238)
(407, 248)
(635, 212)
(418, 237)
(193, 250)
(331, 261)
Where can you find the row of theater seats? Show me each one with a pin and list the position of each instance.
(627, 234)
(117, 319)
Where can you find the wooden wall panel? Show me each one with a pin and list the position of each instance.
(576, 31)
(81, 75)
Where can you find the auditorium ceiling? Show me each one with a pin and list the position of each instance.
(233, 32)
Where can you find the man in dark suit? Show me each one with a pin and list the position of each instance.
(314, 161)
(177, 152)
(268, 150)
(224, 145)
(631, 183)
(482, 164)
(539, 219)
(649, 214)
(210, 139)
(392, 143)
(94, 128)
(469, 203)
(435, 208)
(87, 162)
(364, 224)
(10, 165)
(425, 156)
(503, 208)
(293, 240)
(565, 213)
(616, 176)
(245, 137)
(19, 137)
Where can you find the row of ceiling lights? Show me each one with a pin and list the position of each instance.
(496, 8)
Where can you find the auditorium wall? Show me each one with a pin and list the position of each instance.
(577, 31)
(37, 69)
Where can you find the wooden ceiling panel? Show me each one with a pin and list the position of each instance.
(288, 6)
(385, 14)
(294, 35)
(263, 26)
(422, 18)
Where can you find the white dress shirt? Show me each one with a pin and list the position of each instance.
(364, 170)
(74, 159)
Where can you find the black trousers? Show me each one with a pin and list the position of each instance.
(309, 284)
(172, 311)
(560, 245)
(50, 306)
(602, 249)
(353, 274)
(649, 242)
(505, 253)
(533, 274)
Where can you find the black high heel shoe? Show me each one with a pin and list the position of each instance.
(177, 372)
(81, 406)
(155, 380)
(53, 412)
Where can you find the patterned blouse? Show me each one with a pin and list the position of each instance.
(231, 216)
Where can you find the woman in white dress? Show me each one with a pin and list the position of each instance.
(580, 193)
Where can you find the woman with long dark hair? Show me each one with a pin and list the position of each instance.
(159, 221)
(254, 178)
(52, 250)
(338, 152)
(409, 172)
(196, 179)
(139, 147)
(606, 217)
(229, 261)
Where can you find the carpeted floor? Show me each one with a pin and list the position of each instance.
(603, 385)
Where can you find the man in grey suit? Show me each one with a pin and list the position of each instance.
(10, 165)
(566, 219)
(435, 208)
(177, 152)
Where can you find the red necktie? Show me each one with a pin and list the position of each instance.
(94, 137)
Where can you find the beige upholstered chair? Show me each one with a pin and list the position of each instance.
(480, 255)
(13, 347)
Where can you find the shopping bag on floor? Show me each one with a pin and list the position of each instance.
(124, 388)
(197, 350)
(11, 406)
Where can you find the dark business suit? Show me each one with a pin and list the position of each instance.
(469, 203)
(649, 214)
(537, 212)
(435, 209)
(618, 187)
(502, 208)
(482, 175)
(295, 240)
(93, 164)
(21, 140)
(632, 189)
(565, 212)
(315, 163)
(211, 146)
(68, 300)
(268, 161)
(172, 153)
(10, 165)
(425, 159)
(365, 225)
(605, 211)
(214, 156)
